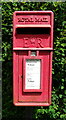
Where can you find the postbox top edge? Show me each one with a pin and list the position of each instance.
(33, 12)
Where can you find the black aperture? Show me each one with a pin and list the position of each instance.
(32, 30)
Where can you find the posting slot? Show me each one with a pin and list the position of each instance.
(33, 30)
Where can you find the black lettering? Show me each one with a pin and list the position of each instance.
(20, 19)
(36, 19)
(45, 20)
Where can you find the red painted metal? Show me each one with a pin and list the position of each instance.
(32, 31)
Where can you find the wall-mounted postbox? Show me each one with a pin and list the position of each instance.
(32, 57)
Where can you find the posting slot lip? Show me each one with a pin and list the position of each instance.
(34, 26)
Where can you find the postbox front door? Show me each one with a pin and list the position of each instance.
(32, 57)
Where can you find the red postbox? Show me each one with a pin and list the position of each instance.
(32, 57)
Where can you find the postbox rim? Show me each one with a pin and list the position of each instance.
(34, 12)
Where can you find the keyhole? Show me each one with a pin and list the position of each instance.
(33, 53)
